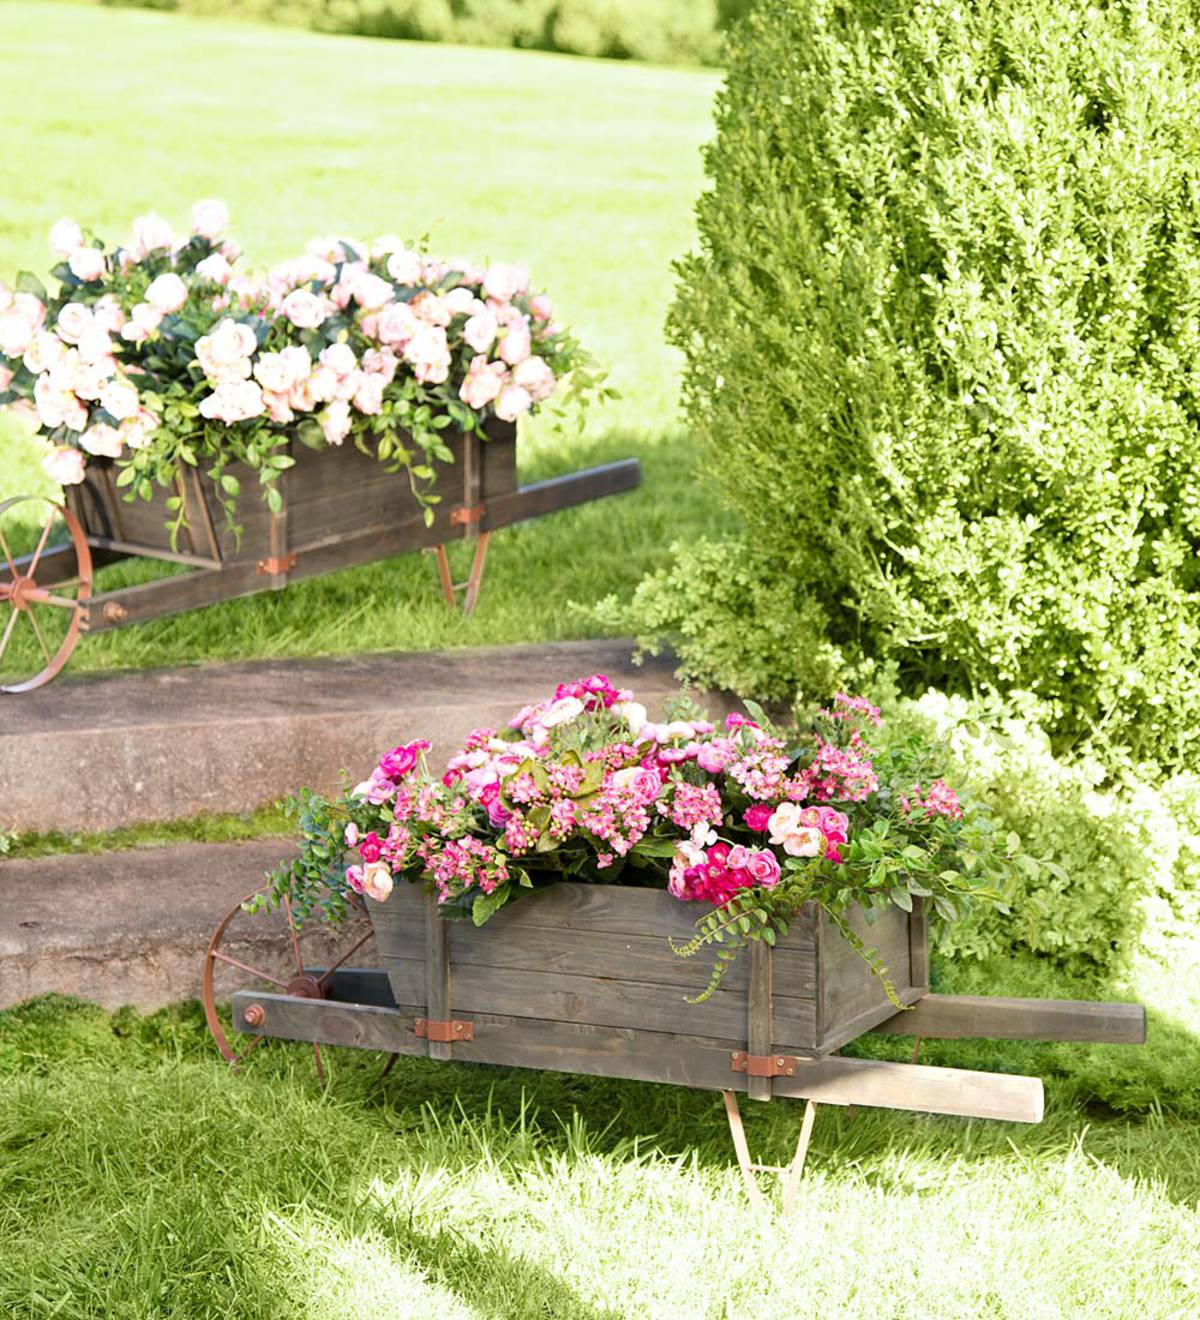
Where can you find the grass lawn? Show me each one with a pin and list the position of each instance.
(139, 1178)
(586, 170)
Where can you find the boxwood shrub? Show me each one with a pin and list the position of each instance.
(942, 353)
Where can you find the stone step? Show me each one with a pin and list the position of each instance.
(98, 753)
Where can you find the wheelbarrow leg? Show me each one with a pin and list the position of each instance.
(790, 1172)
(469, 588)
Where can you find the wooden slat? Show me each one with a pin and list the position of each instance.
(562, 493)
(436, 967)
(984, 1017)
(839, 1081)
(854, 996)
(918, 945)
(758, 1014)
(359, 1026)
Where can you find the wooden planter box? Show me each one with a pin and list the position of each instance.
(582, 977)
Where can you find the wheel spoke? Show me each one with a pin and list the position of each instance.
(245, 967)
(320, 1065)
(37, 628)
(8, 555)
(353, 949)
(8, 629)
(59, 602)
(239, 1059)
(287, 907)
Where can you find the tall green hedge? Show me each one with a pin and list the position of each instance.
(942, 342)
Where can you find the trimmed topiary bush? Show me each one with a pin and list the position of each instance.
(942, 342)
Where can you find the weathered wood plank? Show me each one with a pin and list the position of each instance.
(855, 998)
(359, 1026)
(837, 1081)
(759, 1024)
(438, 991)
(918, 945)
(953, 1017)
(561, 493)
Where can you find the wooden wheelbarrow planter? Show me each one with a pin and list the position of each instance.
(341, 507)
(581, 978)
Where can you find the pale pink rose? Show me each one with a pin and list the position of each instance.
(278, 408)
(461, 302)
(89, 380)
(738, 858)
(512, 403)
(368, 397)
(535, 376)
(102, 440)
(87, 264)
(45, 351)
(347, 386)
(396, 324)
(120, 400)
(300, 396)
(15, 335)
(323, 384)
(305, 309)
(785, 820)
(327, 248)
(65, 237)
(210, 218)
(806, 842)
(430, 308)
(23, 411)
(404, 267)
(339, 358)
(350, 835)
(645, 785)
(481, 330)
(561, 711)
(6, 377)
(386, 244)
(95, 346)
(64, 465)
(109, 314)
(224, 355)
(72, 321)
(137, 432)
(30, 309)
(335, 422)
(50, 401)
(429, 353)
(143, 321)
(233, 401)
(150, 234)
(215, 268)
(540, 307)
(432, 272)
(371, 292)
(503, 282)
(167, 294)
(382, 362)
(377, 880)
(483, 382)
(278, 372)
(516, 345)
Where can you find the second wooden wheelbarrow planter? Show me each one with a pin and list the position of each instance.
(341, 507)
(581, 978)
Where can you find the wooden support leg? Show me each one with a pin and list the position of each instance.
(791, 1172)
(469, 588)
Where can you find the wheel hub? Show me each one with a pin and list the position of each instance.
(19, 592)
(305, 986)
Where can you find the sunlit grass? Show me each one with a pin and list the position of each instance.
(587, 170)
(138, 1177)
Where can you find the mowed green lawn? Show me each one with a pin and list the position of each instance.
(585, 170)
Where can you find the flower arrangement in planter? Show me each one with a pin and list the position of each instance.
(158, 355)
(745, 821)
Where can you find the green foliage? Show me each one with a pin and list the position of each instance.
(943, 355)
(657, 31)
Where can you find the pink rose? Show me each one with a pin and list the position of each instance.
(323, 384)
(305, 309)
(279, 410)
(738, 858)
(215, 268)
(73, 320)
(44, 352)
(371, 292)
(224, 354)
(516, 344)
(757, 817)
(167, 294)
(64, 466)
(210, 218)
(137, 432)
(15, 336)
(536, 378)
(350, 835)
(429, 353)
(396, 324)
(381, 362)
(119, 399)
(368, 397)
(143, 321)
(461, 302)
(481, 330)
(764, 867)
(102, 440)
(371, 848)
(430, 308)
(336, 422)
(280, 371)
(150, 234)
(483, 382)
(354, 878)
(87, 264)
(404, 267)
(96, 348)
(503, 282)
(339, 358)
(30, 309)
(402, 760)
(541, 307)
(512, 403)
(109, 315)
(234, 401)
(65, 237)
(377, 881)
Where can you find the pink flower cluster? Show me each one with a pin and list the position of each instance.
(716, 874)
(939, 800)
(837, 772)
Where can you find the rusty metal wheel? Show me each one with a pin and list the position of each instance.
(277, 955)
(45, 585)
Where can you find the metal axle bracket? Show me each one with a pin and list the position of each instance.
(443, 1031)
(273, 565)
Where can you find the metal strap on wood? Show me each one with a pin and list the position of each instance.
(763, 1065)
(428, 1029)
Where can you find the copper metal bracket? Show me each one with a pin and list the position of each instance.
(275, 564)
(790, 1172)
(444, 1031)
(467, 514)
(763, 1065)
